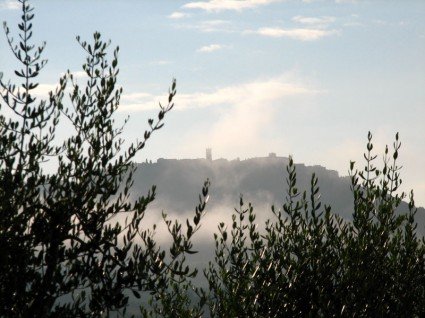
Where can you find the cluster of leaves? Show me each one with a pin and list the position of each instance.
(310, 262)
(63, 250)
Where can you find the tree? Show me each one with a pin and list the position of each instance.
(62, 250)
(311, 263)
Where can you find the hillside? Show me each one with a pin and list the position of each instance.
(261, 181)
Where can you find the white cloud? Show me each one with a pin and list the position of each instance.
(336, 1)
(135, 96)
(139, 101)
(208, 26)
(76, 74)
(10, 5)
(213, 23)
(79, 74)
(302, 34)
(242, 114)
(346, 1)
(214, 26)
(42, 90)
(314, 21)
(210, 48)
(252, 93)
(250, 111)
(178, 15)
(219, 5)
(215, 213)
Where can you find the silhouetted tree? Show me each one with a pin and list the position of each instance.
(62, 250)
(310, 263)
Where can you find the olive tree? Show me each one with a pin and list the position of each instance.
(309, 262)
(62, 250)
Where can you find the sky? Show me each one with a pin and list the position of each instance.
(304, 78)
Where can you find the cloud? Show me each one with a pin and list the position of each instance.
(302, 34)
(314, 21)
(135, 96)
(76, 74)
(346, 1)
(208, 26)
(210, 48)
(220, 5)
(10, 5)
(79, 74)
(178, 15)
(203, 239)
(336, 1)
(139, 101)
(243, 115)
(214, 26)
(251, 93)
(250, 113)
(42, 90)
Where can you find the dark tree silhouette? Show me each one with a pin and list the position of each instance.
(312, 263)
(62, 251)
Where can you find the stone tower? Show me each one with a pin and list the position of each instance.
(209, 154)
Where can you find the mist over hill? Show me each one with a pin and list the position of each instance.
(261, 181)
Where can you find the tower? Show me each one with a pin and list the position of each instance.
(209, 154)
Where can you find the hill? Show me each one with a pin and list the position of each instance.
(260, 180)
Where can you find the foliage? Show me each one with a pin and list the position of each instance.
(175, 297)
(62, 249)
(310, 262)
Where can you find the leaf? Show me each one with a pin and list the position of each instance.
(136, 293)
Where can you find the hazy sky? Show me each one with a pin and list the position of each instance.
(307, 78)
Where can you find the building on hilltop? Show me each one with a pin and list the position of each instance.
(209, 154)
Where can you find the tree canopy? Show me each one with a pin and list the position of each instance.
(62, 250)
